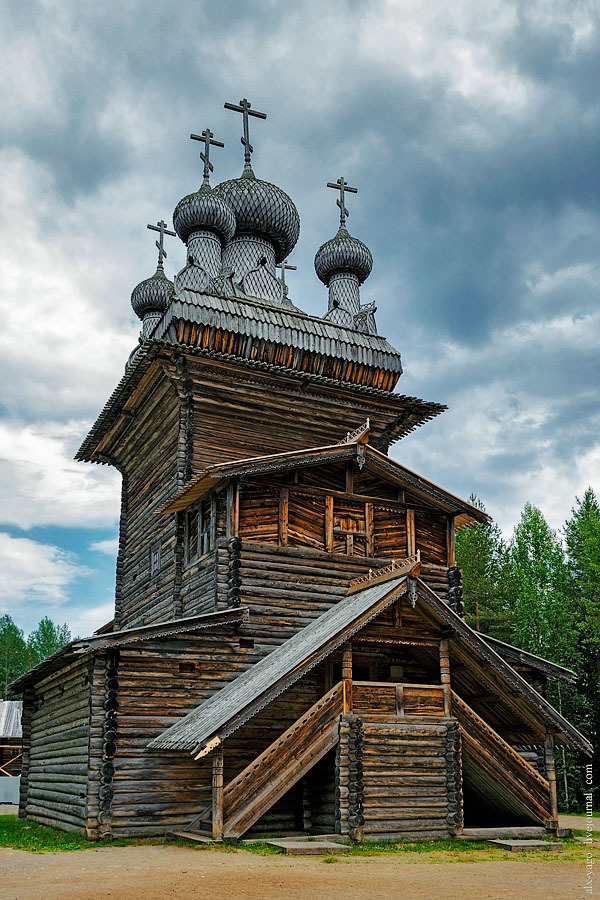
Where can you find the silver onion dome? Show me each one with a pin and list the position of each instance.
(343, 253)
(264, 209)
(152, 295)
(204, 210)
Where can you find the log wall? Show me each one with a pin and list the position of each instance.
(55, 787)
(149, 461)
(411, 782)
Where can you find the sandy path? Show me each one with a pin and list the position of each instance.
(154, 873)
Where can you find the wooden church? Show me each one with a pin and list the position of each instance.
(288, 652)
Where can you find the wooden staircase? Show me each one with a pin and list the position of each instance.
(276, 769)
(502, 771)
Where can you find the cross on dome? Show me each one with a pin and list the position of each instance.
(245, 109)
(162, 229)
(342, 186)
(283, 265)
(207, 138)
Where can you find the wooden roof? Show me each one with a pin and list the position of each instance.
(127, 636)
(212, 721)
(372, 460)
(243, 697)
(400, 413)
(531, 660)
(10, 719)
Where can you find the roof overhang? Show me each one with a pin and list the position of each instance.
(365, 455)
(105, 641)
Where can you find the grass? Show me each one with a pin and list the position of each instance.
(24, 834)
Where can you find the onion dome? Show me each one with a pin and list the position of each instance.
(152, 295)
(263, 209)
(204, 210)
(343, 253)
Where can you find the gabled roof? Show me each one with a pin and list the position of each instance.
(213, 720)
(373, 460)
(243, 697)
(103, 641)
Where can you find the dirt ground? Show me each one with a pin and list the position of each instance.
(159, 873)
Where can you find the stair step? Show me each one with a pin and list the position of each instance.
(525, 845)
(198, 837)
(300, 847)
(515, 833)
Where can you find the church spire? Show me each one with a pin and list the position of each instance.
(151, 297)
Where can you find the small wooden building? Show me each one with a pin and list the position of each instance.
(11, 744)
(288, 650)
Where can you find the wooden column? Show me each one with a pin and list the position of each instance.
(445, 675)
(349, 478)
(233, 509)
(370, 539)
(450, 542)
(410, 532)
(284, 506)
(551, 777)
(347, 676)
(217, 794)
(329, 523)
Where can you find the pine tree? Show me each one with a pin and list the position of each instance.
(481, 554)
(13, 654)
(46, 640)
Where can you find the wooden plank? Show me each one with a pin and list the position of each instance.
(284, 503)
(329, 523)
(410, 532)
(217, 794)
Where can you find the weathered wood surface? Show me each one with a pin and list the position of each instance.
(513, 776)
(54, 789)
(282, 764)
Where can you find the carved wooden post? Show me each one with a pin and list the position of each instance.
(347, 676)
(450, 544)
(284, 503)
(551, 777)
(445, 675)
(370, 536)
(410, 532)
(233, 508)
(217, 794)
(329, 523)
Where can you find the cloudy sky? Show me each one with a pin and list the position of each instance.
(472, 131)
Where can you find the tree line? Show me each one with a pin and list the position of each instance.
(540, 591)
(18, 654)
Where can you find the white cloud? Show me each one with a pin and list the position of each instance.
(41, 484)
(110, 546)
(34, 575)
(84, 622)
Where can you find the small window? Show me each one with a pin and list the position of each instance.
(246, 643)
(155, 559)
(198, 531)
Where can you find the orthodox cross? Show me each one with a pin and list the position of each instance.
(207, 138)
(244, 108)
(162, 229)
(283, 265)
(342, 186)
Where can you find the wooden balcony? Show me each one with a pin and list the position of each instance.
(374, 700)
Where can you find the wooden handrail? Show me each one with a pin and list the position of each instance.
(519, 778)
(261, 783)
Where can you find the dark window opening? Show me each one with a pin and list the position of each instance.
(199, 532)
(187, 668)
(246, 643)
(155, 559)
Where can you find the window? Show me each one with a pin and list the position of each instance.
(155, 559)
(198, 530)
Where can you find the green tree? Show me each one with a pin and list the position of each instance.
(481, 554)
(582, 533)
(46, 640)
(13, 654)
(540, 584)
